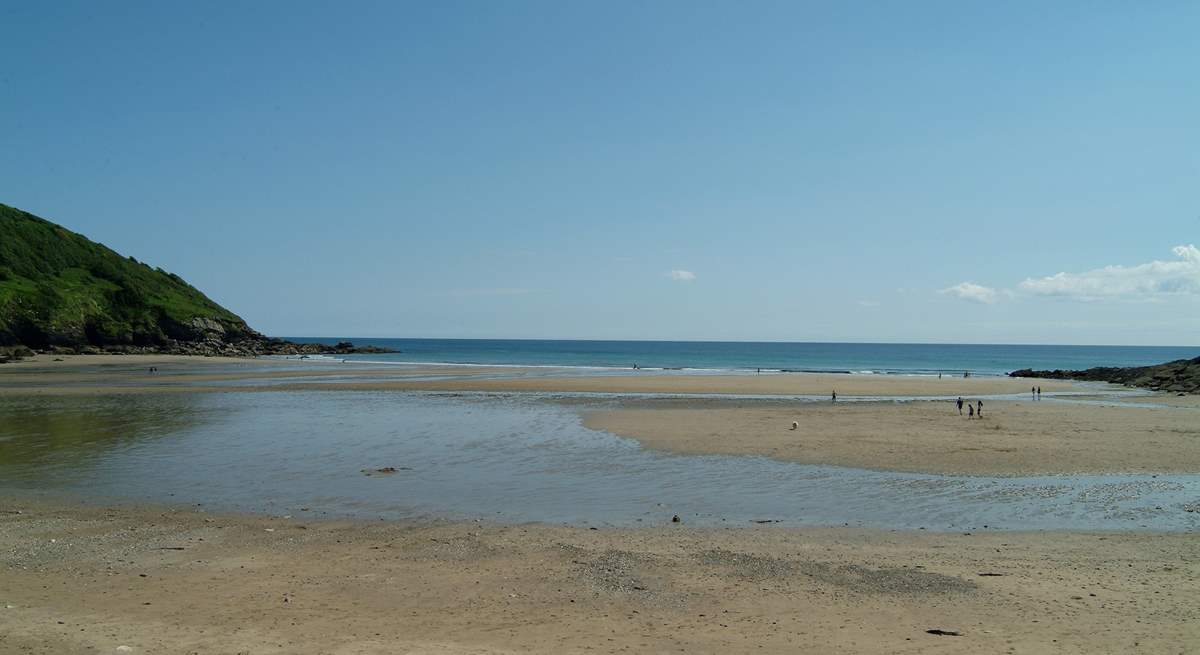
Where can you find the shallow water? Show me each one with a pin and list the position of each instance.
(506, 457)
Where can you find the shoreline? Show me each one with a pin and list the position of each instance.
(903, 424)
(156, 579)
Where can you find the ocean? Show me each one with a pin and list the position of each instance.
(878, 358)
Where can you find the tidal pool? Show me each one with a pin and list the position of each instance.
(504, 457)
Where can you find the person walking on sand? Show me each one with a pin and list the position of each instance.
(1039, 393)
(970, 411)
(959, 403)
(834, 396)
(1033, 393)
(979, 410)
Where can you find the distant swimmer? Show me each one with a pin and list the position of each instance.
(979, 411)
(959, 403)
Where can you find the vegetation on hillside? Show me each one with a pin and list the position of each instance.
(58, 288)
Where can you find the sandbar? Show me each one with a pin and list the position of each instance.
(1012, 438)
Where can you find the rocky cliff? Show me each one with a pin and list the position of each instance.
(1181, 376)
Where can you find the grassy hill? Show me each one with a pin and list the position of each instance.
(58, 288)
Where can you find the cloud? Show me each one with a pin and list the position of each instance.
(972, 292)
(681, 276)
(1150, 280)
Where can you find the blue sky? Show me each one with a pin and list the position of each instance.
(662, 170)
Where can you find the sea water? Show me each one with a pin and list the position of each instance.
(928, 359)
(510, 458)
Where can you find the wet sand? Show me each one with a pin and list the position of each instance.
(782, 384)
(1012, 438)
(79, 579)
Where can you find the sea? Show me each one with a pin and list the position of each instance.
(860, 358)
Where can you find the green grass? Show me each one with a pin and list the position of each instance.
(60, 288)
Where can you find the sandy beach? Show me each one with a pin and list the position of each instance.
(100, 373)
(81, 576)
(1012, 438)
(84, 580)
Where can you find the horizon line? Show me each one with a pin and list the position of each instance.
(864, 343)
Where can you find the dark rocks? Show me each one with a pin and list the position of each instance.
(1180, 376)
(212, 346)
(14, 353)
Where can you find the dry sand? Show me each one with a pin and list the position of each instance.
(89, 580)
(1012, 438)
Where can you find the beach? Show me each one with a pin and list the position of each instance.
(1013, 437)
(91, 574)
(95, 578)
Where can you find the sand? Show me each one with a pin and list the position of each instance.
(88, 580)
(77, 576)
(784, 384)
(1012, 438)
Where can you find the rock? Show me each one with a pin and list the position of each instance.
(387, 470)
(1180, 376)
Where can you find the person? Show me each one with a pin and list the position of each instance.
(959, 403)
(834, 396)
(635, 366)
(939, 376)
(979, 410)
(1039, 392)
(1033, 393)
(970, 410)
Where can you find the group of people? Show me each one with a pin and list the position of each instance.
(1035, 393)
(972, 410)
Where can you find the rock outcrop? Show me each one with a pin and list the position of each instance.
(1180, 376)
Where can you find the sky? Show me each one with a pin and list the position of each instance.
(970, 172)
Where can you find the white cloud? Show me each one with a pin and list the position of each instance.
(1150, 280)
(681, 276)
(972, 292)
